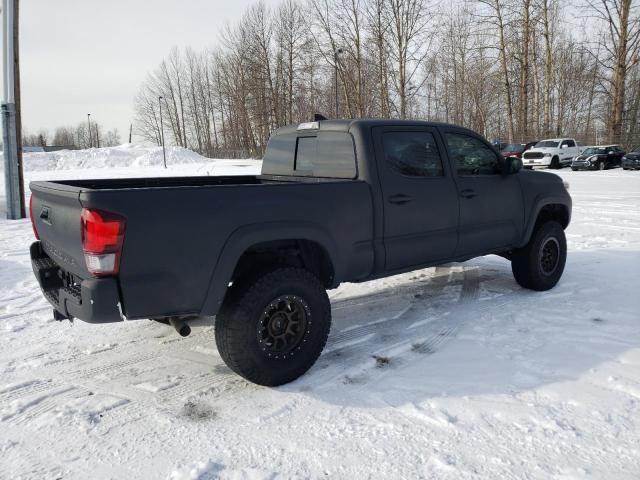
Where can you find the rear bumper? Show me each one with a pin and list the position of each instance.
(96, 300)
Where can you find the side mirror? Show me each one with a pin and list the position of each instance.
(610, 152)
(564, 146)
(513, 165)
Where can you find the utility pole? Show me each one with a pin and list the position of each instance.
(89, 131)
(337, 52)
(130, 131)
(11, 121)
(164, 153)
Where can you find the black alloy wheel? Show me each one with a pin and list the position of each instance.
(283, 325)
(549, 255)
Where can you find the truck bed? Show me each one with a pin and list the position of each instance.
(179, 228)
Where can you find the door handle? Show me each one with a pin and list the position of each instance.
(468, 193)
(400, 199)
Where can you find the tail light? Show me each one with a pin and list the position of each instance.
(33, 222)
(102, 238)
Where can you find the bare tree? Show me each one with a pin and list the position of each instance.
(506, 68)
(621, 41)
(63, 136)
(547, 14)
(408, 43)
(497, 18)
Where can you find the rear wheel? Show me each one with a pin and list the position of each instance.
(574, 169)
(272, 329)
(539, 264)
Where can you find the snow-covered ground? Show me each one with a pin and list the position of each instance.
(449, 372)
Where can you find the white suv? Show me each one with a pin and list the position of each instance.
(551, 153)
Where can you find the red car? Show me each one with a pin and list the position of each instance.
(516, 149)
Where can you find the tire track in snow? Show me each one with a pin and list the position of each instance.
(347, 354)
(26, 409)
(217, 380)
(434, 287)
(206, 376)
(29, 387)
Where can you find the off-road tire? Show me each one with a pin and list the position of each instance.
(242, 318)
(532, 264)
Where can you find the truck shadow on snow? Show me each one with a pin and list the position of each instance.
(472, 330)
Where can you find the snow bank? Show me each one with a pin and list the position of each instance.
(127, 155)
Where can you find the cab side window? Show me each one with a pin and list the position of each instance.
(413, 154)
(472, 156)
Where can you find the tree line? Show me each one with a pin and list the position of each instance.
(83, 135)
(511, 69)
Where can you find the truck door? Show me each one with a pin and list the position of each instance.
(491, 206)
(419, 196)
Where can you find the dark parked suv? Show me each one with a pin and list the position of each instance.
(337, 201)
(631, 160)
(598, 158)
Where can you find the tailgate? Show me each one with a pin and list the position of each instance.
(56, 211)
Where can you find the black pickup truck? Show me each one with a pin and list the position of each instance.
(336, 201)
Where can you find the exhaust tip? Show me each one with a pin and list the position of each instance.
(185, 331)
(181, 327)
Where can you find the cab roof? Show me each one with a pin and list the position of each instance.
(345, 125)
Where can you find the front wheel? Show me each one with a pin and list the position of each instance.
(601, 166)
(555, 163)
(539, 264)
(271, 330)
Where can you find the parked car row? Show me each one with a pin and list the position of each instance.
(562, 152)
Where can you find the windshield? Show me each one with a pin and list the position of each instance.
(514, 147)
(547, 144)
(594, 151)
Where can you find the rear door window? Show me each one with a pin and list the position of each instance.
(413, 154)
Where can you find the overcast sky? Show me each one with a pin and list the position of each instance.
(90, 56)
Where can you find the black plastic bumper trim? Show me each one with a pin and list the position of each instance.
(95, 300)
